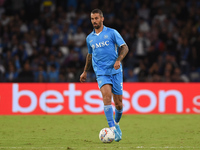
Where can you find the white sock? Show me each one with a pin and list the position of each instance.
(117, 123)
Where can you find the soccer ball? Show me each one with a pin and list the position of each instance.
(106, 135)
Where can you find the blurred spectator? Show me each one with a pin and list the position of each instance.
(142, 75)
(53, 74)
(143, 25)
(72, 3)
(131, 76)
(130, 62)
(21, 53)
(26, 75)
(141, 45)
(12, 74)
(144, 12)
(48, 4)
(41, 74)
(184, 56)
(167, 76)
(62, 77)
(79, 38)
(4, 19)
(176, 76)
(160, 16)
(2, 68)
(43, 39)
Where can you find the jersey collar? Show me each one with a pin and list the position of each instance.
(104, 29)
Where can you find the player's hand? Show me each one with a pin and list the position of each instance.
(117, 65)
(83, 77)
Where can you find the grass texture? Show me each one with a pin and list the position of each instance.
(80, 132)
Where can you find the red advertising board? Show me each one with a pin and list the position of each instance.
(85, 98)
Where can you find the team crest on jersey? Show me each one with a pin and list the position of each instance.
(105, 36)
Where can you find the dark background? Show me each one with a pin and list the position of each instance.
(44, 40)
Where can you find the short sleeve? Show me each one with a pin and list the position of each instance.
(88, 45)
(118, 38)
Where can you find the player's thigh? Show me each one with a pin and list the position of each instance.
(106, 91)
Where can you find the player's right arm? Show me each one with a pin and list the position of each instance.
(88, 64)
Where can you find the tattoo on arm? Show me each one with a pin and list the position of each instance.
(124, 50)
(88, 62)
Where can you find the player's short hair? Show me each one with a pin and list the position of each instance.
(97, 11)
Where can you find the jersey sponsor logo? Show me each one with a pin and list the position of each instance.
(100, 44)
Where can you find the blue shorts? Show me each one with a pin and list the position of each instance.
(116, 80)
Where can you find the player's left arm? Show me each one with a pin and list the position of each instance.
(123, 52)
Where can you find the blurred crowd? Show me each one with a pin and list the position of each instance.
(44, 40)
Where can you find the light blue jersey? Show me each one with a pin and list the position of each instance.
(104, 49)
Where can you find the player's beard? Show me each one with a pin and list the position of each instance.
(97, 25)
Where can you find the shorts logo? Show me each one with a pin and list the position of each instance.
(100, 82)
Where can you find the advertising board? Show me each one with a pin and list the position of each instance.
(85, 98)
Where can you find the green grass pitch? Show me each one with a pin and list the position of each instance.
(80, 132)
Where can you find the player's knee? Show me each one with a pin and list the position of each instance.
(118, 105)
(107, 100)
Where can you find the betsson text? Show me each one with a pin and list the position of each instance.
(71, 95)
